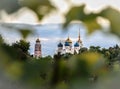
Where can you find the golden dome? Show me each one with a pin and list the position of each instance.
(68, 40)
(37, 40)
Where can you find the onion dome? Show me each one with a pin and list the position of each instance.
(76, 44)
(37, 40)
(68, 40)
(60, 45)
(67, 44)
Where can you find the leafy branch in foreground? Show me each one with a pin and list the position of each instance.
(90, 20)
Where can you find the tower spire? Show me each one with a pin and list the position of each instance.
(79, 34)
(68, 35)
(79, 39)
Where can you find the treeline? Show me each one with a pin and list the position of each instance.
(20, 51)
(16, 51)
(112, 54)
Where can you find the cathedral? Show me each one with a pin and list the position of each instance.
(66, 47)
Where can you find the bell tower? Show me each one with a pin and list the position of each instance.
(37, 51)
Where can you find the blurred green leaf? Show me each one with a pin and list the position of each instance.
(25, 32)
(14, 70)
(113, 16)
(86, 63)
(92, 25)
(36, 72)
(75, 13)
(9, 6)
(41, 7)
(89, 20)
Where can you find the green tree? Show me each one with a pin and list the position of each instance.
(95, 49)
(1, 39)
(82, 50)
(22, 45)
